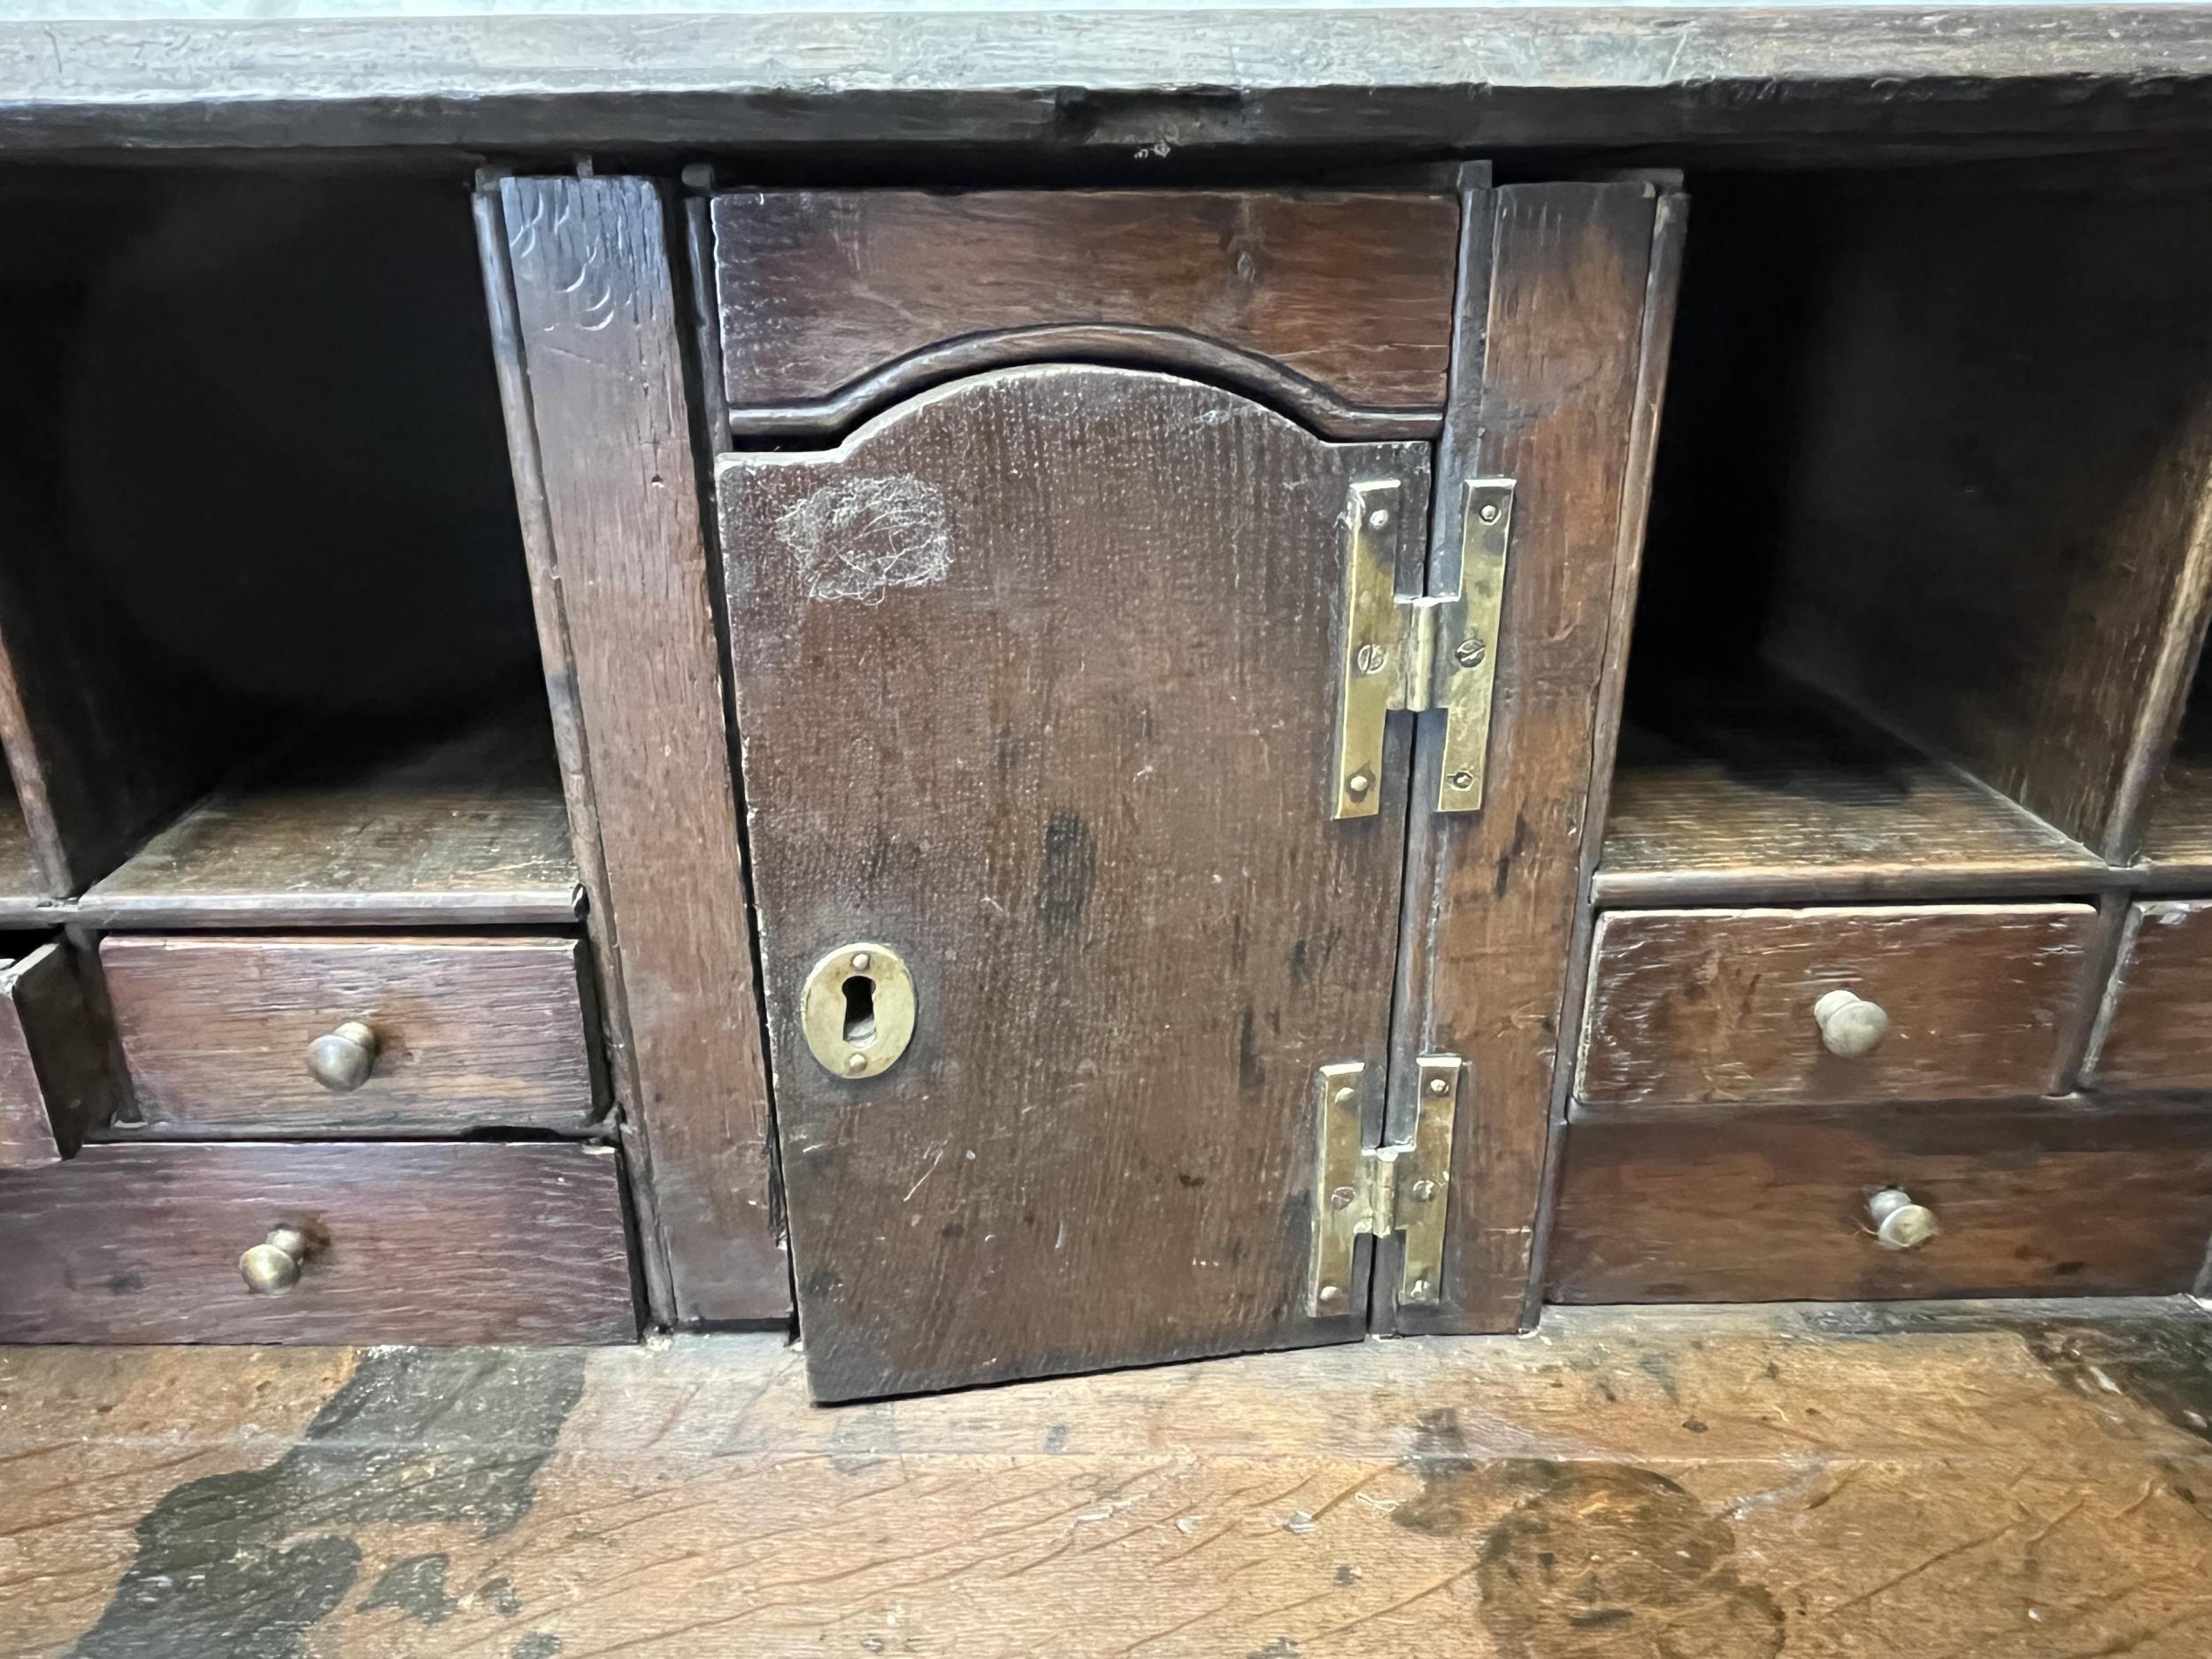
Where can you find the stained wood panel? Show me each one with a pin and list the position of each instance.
(1694, 1007)
(1350, 291)
(1564, 331)
(49, 1083)
(472, 1033)
(1727, 1483)
(622, 556)
(2006, 438)
(1036, 676)
(2154, 1030)
(465, 827)
(1753, 1207)
(480, 1241)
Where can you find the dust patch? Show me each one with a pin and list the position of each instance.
(243, 1565)
(860, 538)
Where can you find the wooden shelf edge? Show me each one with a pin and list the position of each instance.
(2058, 879)
(488, 909)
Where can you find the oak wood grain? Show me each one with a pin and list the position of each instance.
(477, 1241)
(2052, 506)
(2025, 1477)
(1036, 678)
(1694, 1007)
(1761, 1207)
(600, 332)
(1565, 327)
(2154, 1028)
(1349, 291)
(1749, 790)
(465, 827)
(472, 1033)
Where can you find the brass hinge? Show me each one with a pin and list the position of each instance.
(1417, 652)
(1396, 1187)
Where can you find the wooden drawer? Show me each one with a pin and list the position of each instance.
(49, 1069)
(467, 1033)
(1696, 1007)
(1338, 302)
(2154, 1030)
(475, 1242)
(1757, 1208)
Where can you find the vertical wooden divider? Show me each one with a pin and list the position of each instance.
(592, 375)
(1564, 366)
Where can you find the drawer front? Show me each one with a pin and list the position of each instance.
(832, 299)
(2155, 1031)
(1700, 1007)
(475, 1242)
(1752, 1208)
(352, 1035)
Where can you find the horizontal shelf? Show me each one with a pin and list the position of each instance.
(1757, 791)
(2177, 837)
(465, 828)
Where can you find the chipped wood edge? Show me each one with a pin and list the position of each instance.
(570, 741)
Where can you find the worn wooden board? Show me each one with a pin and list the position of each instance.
(466, 828)
(473, 1033)
(1766, 1207)
(2066, 487)
(46, 1102)
(1565, 327)
(2153, 1028)
(599, 333)
(1350, 291)
(1036, 677)
(473, 1241)
(1696, 1007)
(1740, 1484)
(1746, 792)
(1115, 83)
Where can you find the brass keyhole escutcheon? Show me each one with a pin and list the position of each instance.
(858, 1010)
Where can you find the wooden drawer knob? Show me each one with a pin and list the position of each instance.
(1899, 1223)
(342, 1060)
(272, 1267)
(1849, 1026)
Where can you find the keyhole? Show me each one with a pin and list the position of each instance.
(860, 1009)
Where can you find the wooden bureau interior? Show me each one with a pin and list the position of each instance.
(483, 660)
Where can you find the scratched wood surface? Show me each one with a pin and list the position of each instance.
(1349, 291)
(1036, 677)
(1738, 1484)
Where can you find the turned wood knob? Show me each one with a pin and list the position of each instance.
(1849, 1026)
(272, 1267)
(342, 1060)
(1899, 1223)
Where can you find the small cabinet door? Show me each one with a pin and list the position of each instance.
(1036, 675)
